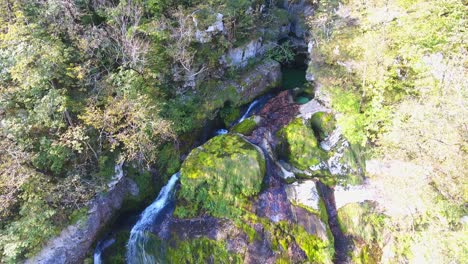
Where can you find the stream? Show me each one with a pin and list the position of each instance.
(142, 231)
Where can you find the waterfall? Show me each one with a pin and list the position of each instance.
(136, 252)
(101, 246)
(247, 113)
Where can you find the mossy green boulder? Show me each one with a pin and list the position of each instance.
(218, 177)
(323, 124)
(299, 145)
(245, 127)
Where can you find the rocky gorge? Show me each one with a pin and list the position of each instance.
(268, 178)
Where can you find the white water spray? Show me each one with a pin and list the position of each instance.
(101, 246)
(136, 252)
(247, 113)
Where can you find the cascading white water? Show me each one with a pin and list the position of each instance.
(101, 246)
(136, 252)
(247, 113)
(221, 132)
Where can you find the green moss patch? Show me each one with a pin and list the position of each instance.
(229, 114)
(283, 233)
(323, 124)
(218, 177)
(245, 127)
(146, 189)
(299, 145)
(366, 227)
(201, 250)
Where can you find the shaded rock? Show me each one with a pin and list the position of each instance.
(74, 242)
(311, 222)
(274, 204)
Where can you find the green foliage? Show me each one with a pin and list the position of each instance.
(23, 237)
(300, 146)
(283, 53)
(245, 127)
(217, 177)
(51, 157)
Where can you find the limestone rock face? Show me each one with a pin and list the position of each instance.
(257, 81)
(205, 35)
(239, 57)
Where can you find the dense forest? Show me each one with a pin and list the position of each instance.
(88, 87)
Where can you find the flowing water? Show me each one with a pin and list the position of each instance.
(101, 246)
(249, 110)
(139, 236)
(143, 246)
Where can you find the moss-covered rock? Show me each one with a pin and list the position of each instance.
(323, 124)
(217, 177)
(145, 190)
(245, 127)
(229, 114)
(201, 250)
(114, 254)
(366, 226)
(299, 145)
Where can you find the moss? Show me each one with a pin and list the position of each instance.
(245, 127)
(229, 114)
(79, 214)
(323, 124)
(299, 145)
(218, 177)
(201, 250)
(317, 250)
(115, 253)
(282, 234)
(366, 226)
(146, 189)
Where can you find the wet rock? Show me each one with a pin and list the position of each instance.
(311, 222)
(274, 204)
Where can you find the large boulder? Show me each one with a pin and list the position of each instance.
(300, 146)
(217, 177)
